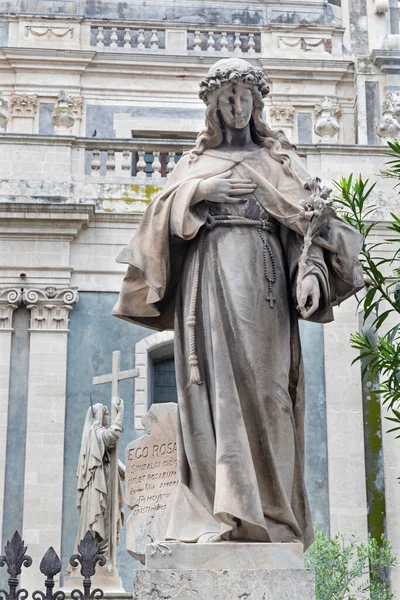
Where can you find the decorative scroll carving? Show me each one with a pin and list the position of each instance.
(50, 308)
(49, 32)
(10, 299)
(306, 44)
(23, 105)
(284, 113)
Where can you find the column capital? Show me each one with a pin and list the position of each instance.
(10, 299)
(50, 307)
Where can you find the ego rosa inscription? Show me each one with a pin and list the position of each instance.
(151, 479)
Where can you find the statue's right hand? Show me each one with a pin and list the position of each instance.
(223, 190)
(119, 404)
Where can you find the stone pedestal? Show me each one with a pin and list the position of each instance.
(224, 571)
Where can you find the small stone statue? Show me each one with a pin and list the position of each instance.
(94, 495)
(239, 245)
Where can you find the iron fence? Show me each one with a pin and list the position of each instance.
(15, 557)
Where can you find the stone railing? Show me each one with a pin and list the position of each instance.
(105, 37)
(224, 42)
(230, 41)
(145, 159)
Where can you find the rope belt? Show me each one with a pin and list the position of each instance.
(270, 275)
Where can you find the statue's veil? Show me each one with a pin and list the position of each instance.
(92, 447)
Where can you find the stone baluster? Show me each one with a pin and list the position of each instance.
(224, 42)
(237, 44)
(4, 114)
(100, 39)
(95, 165)
(171, 163)
(141, 167)
(128, 38)
(141, 40)
(197, 41)
(210, 42)
(126, 162)
(251, 44)
(154, 39)
(156, 166)
(110, 164)
(114, 38)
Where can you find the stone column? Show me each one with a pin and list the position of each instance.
(10, 298)
(346, 459)
(43, 493)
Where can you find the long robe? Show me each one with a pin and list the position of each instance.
(240, 433)
(93, 475)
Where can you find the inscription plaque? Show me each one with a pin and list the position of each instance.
(151, 479)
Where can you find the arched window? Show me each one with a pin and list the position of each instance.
(164, 381)
(154, 358)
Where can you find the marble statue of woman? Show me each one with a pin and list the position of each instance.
(216, 258)
(99, 437)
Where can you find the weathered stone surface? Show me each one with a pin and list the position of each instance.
(240, 584)
(151, 479)
(224, 555)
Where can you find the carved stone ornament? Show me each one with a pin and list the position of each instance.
(75, 103)
(381, 6)
(306, 44)
(63, 118)
(23, 105)
(10, 299)
(50, 308)
(4, 114)
(49, 32)
(327, 125)
(389, 126)
(284, 113)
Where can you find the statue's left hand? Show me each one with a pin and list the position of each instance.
(308, 296)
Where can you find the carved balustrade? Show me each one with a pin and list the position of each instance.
(146, 160)
(229, 42)
(107, 37)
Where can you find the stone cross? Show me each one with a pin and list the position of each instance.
(115, 377)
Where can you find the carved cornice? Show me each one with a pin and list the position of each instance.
(50, 308)
(10, 299)
(23, 105)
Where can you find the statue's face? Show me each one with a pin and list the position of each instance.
(106, 417)
(235, 105)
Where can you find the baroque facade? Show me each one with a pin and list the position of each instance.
(98, 101)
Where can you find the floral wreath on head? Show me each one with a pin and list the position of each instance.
(253, 77)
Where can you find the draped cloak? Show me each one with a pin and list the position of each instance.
(240, 433)
(93, 475)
